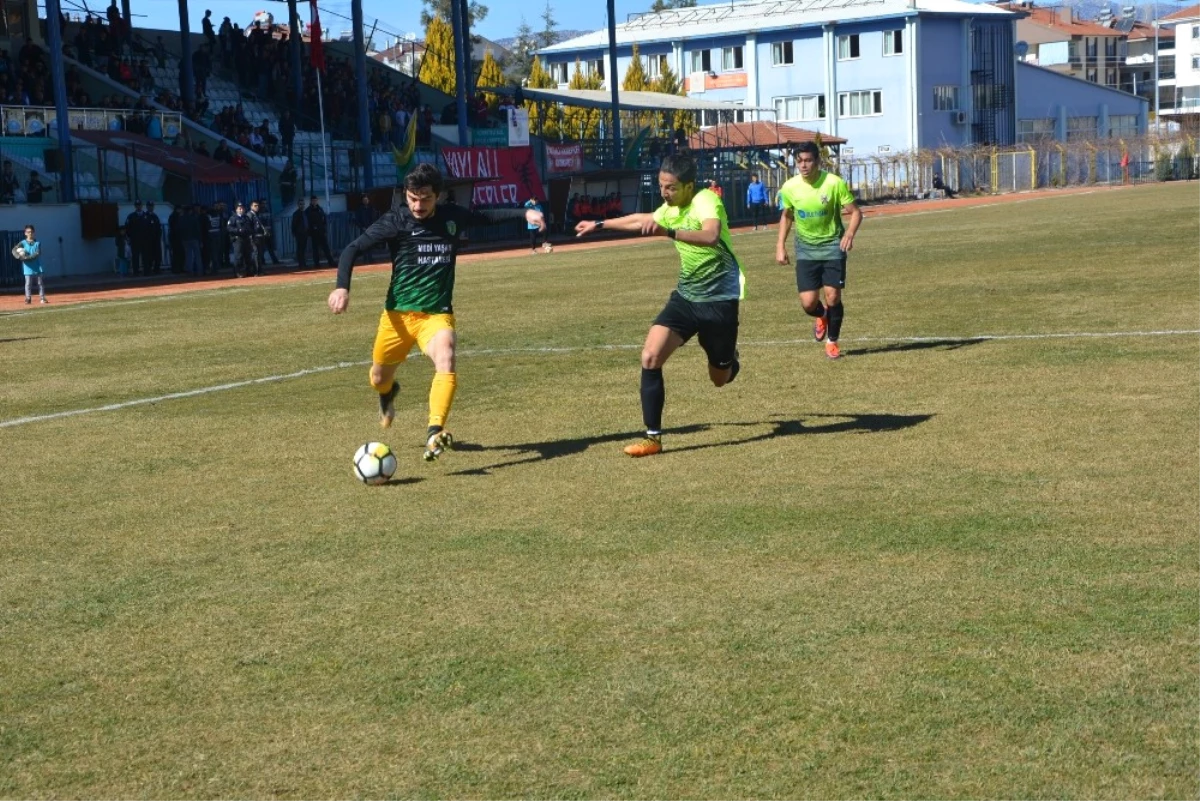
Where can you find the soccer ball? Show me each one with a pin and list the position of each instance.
(374, 463)
(547, 247)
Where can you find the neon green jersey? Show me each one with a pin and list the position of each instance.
(817, 208)
(705, 273)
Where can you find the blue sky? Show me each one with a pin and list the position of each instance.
(504, 16)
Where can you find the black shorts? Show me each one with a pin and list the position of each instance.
(812, 275)
(716, 323)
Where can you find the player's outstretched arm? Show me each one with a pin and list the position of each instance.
(856, 218)
(383, 229)
(632, 223)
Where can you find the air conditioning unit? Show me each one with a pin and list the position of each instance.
(960, 117)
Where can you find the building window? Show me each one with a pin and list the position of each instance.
(860, 104)
(1081, 128)
(1033, 130)
(893, 43)
(1123, 125)
(731, 58)
(781, 53)
(1196, 31)
(1091, 74)
(701, 61)
(848, 47)
(654, 66)
(802, 107)
(559, 72)
(1195, 63)
(1110, 77)
(945, 98)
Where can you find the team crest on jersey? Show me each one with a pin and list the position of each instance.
(824, 199)
(452, 228)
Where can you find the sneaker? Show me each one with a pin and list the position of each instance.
(647, 447)
(438, 443)
(44, 301)
(387, 405)
(831, 350)
(28, 301)
(820, 327)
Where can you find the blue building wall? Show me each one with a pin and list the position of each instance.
(973, 54)
(941, 62)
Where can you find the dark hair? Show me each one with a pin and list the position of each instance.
(681, 166)
(422, 176)
(810, 148)
(29, 226)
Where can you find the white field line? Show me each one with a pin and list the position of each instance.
(271, 379)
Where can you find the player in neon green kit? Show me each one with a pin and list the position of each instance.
(705, 302)
(814, 201)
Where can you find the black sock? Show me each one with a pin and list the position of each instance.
(733, 372)
(429, 432)
(654, 397)
(836, 313)
(817, 312)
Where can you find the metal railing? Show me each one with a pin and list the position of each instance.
(42, 120)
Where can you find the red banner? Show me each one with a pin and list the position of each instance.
(564, 158)
(316, 47)
(505, 176)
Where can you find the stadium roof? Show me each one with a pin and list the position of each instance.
(765, 15)
(626, 101)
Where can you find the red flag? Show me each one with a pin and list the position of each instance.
(316, 50)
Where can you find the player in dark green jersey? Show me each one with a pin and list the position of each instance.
(705, 303)
(423, 237)
(814, 201)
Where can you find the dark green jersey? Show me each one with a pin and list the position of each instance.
(424, 254)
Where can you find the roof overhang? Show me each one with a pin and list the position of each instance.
(626, 101)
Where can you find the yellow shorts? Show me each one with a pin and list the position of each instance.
(398, 331)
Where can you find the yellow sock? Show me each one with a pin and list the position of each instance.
(441, 396)
(381, 388)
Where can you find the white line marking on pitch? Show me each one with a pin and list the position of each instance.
(112, 407)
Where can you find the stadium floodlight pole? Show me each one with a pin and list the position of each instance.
(364, 116)
(612, 83)
(187, 81)
(66, 187)
(460, 71)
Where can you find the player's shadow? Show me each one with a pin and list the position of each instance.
(921, 344)
(18, 339)
(529, 452)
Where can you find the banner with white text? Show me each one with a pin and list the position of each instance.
(564, 158)
(504, 176)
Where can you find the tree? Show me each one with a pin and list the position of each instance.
(666, 5)
(548, 36)
(544, 118)
(441, 8)
(634, 81)
(582, 123)
(437, 65)
(668, 83)
(523, 48)
(490, 74)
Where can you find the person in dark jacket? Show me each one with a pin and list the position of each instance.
(263, 236)
(318, 223)
(152, 231)
(135, 225)
(175, 239)
(241, 233)
(287, 184)
(192, 224)
(300, 233)
(364, 217)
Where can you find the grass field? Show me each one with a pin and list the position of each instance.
(962, 562)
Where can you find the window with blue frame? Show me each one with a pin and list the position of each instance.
(945, 98)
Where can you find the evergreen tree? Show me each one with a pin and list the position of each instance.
(544, 118)
(668, 83)
(437, 65)
(490, 74)
(441, 8)
(524, 46)
(665, 5)
(548, 36)
(634, 81)
(582, 123)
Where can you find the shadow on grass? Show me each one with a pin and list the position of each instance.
(923, 344)
(19, 339)
(399, 482)
(529, 452)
